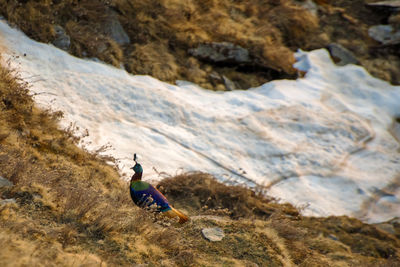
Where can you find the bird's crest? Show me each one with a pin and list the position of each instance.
(137, 168)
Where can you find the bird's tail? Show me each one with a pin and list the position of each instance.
(176, 213)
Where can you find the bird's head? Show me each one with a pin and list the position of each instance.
(137, 169)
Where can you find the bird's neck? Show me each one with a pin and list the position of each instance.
(136, 177)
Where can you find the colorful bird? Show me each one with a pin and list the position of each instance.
(147, 196)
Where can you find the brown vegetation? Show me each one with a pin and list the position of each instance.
(72, 209)
(162, 32)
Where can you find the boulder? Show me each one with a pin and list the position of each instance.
(213, 234)
(4, 182)
(114, 30)
(342, 55)
(62, 39)
(384, 34)
(225, 52)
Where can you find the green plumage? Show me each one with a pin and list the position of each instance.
(139, 185)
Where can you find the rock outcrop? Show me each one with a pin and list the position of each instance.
(223, 53)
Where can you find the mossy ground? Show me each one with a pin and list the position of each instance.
(73, 210)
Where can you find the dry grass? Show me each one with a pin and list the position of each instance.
(67, 199)
(72, 209)
(209, 195)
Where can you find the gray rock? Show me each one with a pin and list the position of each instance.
(221, 53)
(229, 85)
(62, 40)
(215, 76)
(8, 201)
(4, 182)
(213, 234)
(384, 34)
(342, 54)
(115, 31)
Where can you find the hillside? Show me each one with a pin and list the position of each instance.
(217, 44)
(67, 207)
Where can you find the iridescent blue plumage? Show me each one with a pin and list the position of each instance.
(147, 196)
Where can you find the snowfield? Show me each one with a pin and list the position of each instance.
(327, 142)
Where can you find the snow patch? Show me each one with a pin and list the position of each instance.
(322, 141)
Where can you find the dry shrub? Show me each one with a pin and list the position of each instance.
(280, 59)
(34, 18)
(325, 245)
(22, 252)
(361, 238)
(166, 238)
(296, 24)
(206, 193)
(153, 59)
(15, 104)
(89, 43)
(67, 235)
(287, 229)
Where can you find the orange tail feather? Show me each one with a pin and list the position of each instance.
(176, 213)
(182, 217)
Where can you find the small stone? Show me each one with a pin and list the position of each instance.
(62, 40)
(213, 234)
(229, 85)
(4, 182)
(384, 34)
(215, 76)
(340, 53)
